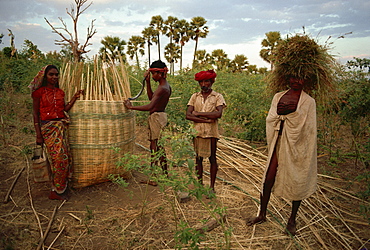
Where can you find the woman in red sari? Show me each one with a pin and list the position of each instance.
(51, 126)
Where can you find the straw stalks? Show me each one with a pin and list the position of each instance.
(302, 57)
(324, 220)
(319, 214)
(101, 80)
(7, 196)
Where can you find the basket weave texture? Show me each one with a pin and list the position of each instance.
(97, 128)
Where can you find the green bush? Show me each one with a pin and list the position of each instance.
(247, 104)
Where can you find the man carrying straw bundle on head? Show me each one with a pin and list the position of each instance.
(157, 106)
(301, 67)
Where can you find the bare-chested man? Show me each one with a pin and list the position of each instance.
(157, 106)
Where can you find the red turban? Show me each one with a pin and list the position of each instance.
(159, 66)
(158, 69)
(205, 75)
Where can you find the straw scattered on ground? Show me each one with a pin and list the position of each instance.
(107, 216)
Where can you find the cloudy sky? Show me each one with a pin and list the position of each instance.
(236, 26)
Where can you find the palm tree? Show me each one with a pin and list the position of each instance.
(172, 54)
(198, 30)
(182, 36)
(157, 24)
(239, 63)
(262, 70)
(219, 58)
(252, 69)
(170, 30)
(202, 59)
(149, 36)
(269, 43)
(135, 46)
(169, 27)
(113, 46)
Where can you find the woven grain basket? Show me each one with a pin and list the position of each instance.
(97, 127)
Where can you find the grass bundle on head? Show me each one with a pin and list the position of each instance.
(302, 57)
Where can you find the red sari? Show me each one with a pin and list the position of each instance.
(54, 127)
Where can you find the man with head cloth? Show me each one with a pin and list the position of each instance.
(157, 106)
(204, 109)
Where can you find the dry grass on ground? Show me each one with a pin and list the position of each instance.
(106, 216)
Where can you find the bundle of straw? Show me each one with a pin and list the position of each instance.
(302, 57)
(326, 220)
(100, 80)
(99, 120)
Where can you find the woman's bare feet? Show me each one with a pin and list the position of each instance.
(256, 220)
(55, 196)
(291, 228)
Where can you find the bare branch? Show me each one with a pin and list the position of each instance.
(74, 13)
(90, 33)
(56, 31)
(65, 28)
(82, 3)
(79, 4)
(71, 14)
(61, 43)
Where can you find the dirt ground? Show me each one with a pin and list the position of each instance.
(140, 216)
(93, 203)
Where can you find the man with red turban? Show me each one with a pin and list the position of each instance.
(158, 101)
(204, 109)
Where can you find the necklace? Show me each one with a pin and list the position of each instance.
(47, 97)
(52, 104)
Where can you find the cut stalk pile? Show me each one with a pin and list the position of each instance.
(324, 218)
(100, 80)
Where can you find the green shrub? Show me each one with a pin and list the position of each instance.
(247, 104)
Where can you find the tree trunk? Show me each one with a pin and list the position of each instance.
(195, 50)
(149, 54)
(137, 60)
(159, 49)
(181, 58)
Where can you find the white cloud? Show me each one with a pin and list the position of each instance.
(236, 26)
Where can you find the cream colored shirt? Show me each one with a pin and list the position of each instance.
(207, 130)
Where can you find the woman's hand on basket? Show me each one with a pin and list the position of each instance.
(79, 93)
(76, 96)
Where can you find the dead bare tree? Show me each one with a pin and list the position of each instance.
(12, 44)
(75, 13)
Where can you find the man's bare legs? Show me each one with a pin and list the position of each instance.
(265, 197)
(213, 161)
(291, 225)
(154, 148)
(266, 193)
(199, 168)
